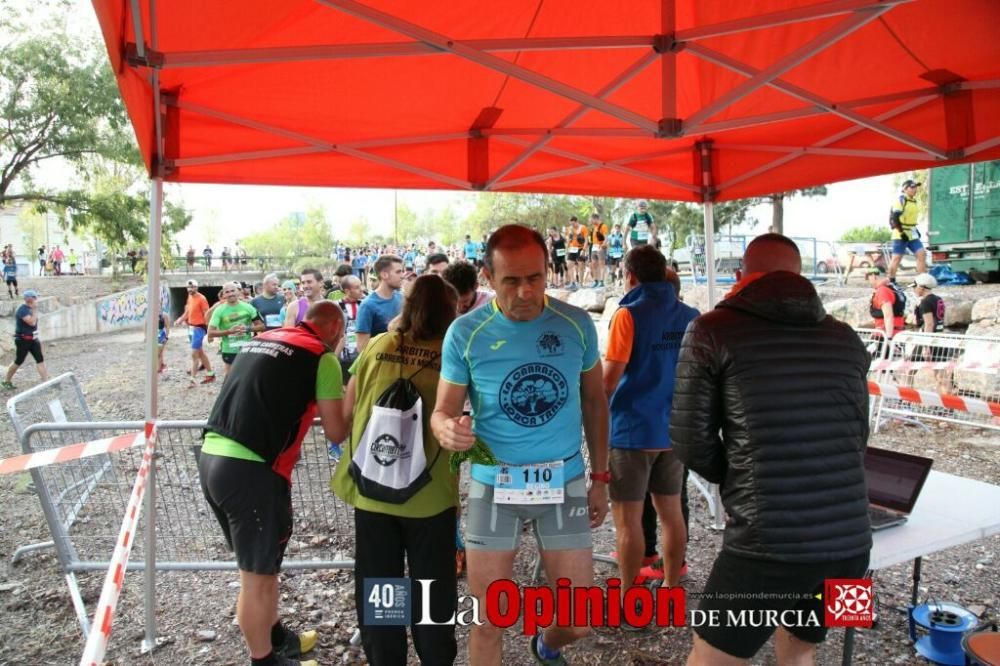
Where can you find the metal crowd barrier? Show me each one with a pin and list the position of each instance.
(56, 401)
(84, 500)
(943, 364)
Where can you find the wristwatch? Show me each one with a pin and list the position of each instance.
(604, 477)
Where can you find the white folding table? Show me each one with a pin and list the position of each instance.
(950, 511)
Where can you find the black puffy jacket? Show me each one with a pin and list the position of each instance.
(771, 402)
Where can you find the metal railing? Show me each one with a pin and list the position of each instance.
(949, 370)
(83, 501)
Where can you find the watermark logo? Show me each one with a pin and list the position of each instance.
(848, 602)
(386, 601)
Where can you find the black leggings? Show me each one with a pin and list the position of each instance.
(428, 546)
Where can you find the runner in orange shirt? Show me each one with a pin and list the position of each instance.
(577, 252)
(194, 316)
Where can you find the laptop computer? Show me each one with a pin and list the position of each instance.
(894, 483)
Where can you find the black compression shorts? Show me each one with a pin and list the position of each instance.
(25, 347)
(254, 507)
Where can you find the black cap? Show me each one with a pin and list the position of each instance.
(910, 183)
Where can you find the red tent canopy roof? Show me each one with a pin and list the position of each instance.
(558, 96)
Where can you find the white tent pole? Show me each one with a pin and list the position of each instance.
(152, 407)
(153, 309)
(708, 196)
(710, 250)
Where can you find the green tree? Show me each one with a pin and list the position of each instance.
(60, 104)
(61, 107)
(407, 228)
(294, 236)
(32, 226)
(684, 219)
(777, 202)
(867, 234)
(357, 234)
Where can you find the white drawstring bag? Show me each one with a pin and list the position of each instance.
(389, 464)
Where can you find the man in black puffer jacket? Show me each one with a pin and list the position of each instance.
(771, 402)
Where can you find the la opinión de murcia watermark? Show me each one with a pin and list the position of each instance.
(388, 601)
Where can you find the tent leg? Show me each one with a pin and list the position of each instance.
(710, 251)
(153, 310)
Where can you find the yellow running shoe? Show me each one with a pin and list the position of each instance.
(307, 641)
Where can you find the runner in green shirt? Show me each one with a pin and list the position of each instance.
(234, 321)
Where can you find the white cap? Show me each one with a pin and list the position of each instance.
(925, 280)
(192, 283)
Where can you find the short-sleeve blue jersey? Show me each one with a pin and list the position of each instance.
(523, 380)
(471, 250)
(375, 312)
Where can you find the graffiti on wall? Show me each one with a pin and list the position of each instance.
(127, 308)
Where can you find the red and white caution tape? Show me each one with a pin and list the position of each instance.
(100, 629)
(70, 452)
(882, 364)
(932, 399)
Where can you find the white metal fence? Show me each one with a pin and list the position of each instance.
(946, 377)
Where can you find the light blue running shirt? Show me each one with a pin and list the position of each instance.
(523, 380)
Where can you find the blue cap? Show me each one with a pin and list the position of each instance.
(30, 293)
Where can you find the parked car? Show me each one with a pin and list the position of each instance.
(728, 253)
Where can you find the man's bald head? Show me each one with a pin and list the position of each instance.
(772, 252)
(323, 313)
(327, 319)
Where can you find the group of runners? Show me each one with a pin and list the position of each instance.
(510, 385)
(582, 255)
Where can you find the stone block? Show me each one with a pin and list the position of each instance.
(987, 309)
(957, 312)
(591, 300)
(855, 312)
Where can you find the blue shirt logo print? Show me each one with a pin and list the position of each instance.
(533, 394)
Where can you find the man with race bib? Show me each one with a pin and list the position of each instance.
(642, 229)
(576, 252)
(616, 251)
(531, 368)
(269, 302)
(234, 321)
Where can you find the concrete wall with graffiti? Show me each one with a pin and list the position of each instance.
(127, 308)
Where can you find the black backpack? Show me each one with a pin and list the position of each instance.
(898, 305)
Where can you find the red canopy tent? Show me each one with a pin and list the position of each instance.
(556, 95)
(692, 100)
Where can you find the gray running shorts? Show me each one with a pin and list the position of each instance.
(565, 526)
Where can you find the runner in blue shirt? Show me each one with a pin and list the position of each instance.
(384, 303)
(532, 370)
(10, 278)
(359, 263)
(471, 250)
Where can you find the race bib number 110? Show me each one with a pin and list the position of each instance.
(530, 484)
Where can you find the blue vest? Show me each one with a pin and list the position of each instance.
(640, 405)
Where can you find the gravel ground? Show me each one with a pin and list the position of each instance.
(39, 626)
